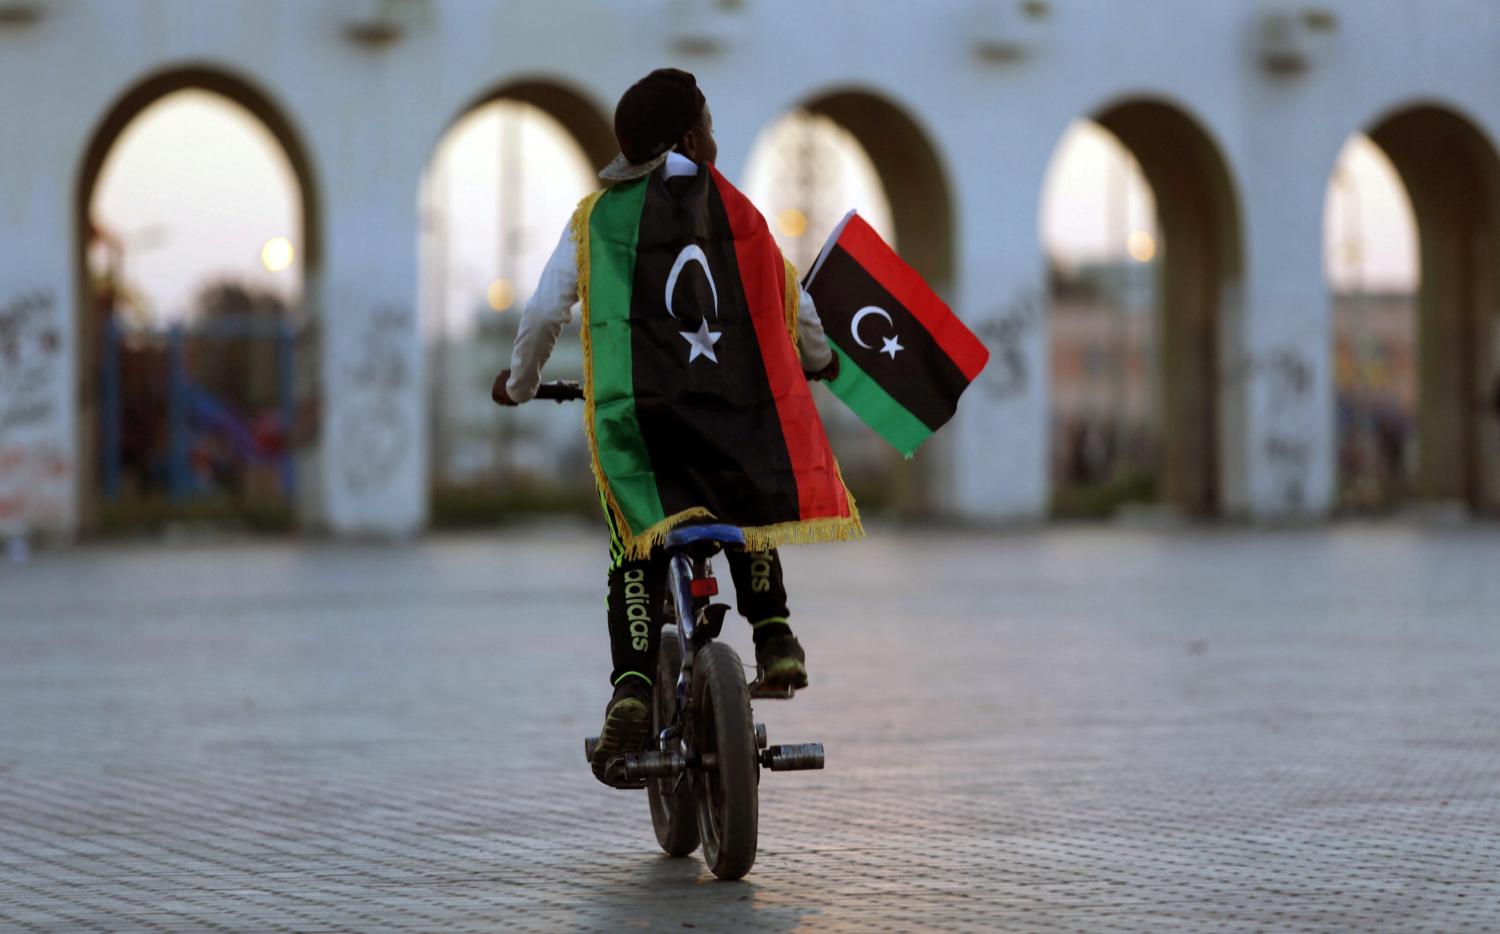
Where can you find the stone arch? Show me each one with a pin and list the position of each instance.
(471, 462)
(1450, 170)
(122, 111)
(589, 125)
(1200, 266)
(911, 170)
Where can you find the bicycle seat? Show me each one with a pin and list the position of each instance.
(688, 535)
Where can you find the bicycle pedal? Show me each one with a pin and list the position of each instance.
(618, 772)
(761, 691)
(619, 775)
(792, 757)
(646, 765)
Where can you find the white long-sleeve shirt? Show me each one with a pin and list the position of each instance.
(550, 309)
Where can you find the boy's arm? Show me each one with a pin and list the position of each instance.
(546, 314)
(812, 343)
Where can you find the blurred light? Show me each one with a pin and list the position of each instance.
(501, 294)
(1142, 246)
(792, 222)
(277, 254)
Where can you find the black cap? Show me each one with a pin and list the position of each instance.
(655, 112)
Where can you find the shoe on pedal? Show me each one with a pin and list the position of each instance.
(627, 726)
(782, 663)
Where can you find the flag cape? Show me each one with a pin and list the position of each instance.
(906, 358)
(694, 400)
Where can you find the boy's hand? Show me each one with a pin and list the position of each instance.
(829, 373)
(497, 391)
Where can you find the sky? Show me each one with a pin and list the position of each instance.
(1093, 198)
(197, 186)
(1369, 230)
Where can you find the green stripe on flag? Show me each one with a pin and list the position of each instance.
(875, 407)
(613, 229)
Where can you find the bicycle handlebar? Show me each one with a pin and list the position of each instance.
(560, 390)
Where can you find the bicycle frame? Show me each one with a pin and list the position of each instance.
(681, 573)
(683, 568)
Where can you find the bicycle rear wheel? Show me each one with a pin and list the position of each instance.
(726, 787)
(673, 811)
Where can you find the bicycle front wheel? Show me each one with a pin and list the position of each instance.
(674, 816)
(726, 784)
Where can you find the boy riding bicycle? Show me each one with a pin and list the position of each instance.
(720, 427)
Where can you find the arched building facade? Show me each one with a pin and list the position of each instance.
(1234, 110)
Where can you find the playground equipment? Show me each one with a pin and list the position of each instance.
(197, 420)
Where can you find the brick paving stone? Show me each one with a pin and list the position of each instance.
(1065, 730)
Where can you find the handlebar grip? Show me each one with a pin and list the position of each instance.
(560, 390)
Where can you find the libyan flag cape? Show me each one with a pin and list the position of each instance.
(906, 356)
(694, 400)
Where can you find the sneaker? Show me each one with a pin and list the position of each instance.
(627, 726)
(782, 662)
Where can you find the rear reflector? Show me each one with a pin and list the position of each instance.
(705, 587)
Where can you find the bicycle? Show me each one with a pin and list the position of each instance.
(702, 781)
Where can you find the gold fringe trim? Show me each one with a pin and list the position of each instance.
(757, 538)
(580, 223)
(803, 532)
(793, 301)
(640, 546)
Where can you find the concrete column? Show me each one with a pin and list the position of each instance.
(1278, 346)
(997, 463)
(41, 467)
(373, 470)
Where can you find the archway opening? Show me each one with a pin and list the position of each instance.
(196, 243)
(1099, 235)
(854, 150)
(1435, 338)
(1141, 231)
(494, 203)
(1370, 265)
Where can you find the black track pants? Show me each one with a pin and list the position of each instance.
(636, 590)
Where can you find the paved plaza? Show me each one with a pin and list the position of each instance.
(1074, 729)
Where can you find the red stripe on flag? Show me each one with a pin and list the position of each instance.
(861, 241)
(819, 493)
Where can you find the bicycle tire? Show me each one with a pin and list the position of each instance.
(674, 816)
(727, 795)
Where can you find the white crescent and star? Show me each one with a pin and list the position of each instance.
(700, 342)
(889, 345)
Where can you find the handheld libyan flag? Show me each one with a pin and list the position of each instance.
(906, 358)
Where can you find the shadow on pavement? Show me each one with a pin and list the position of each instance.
(660, 891)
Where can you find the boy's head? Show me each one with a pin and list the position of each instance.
(665, 111)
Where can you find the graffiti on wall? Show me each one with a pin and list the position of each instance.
(1284, 378)
(34, 468)
(30, 361)
(1008, 374)
(375, 432)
